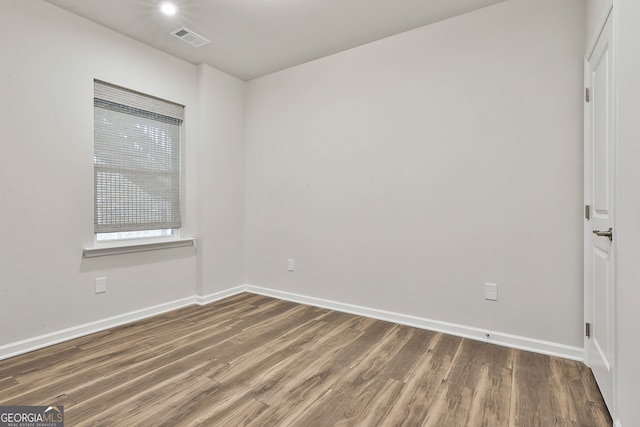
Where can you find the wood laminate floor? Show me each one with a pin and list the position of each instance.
(258, 361)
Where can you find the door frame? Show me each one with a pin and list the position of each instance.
(588, 300)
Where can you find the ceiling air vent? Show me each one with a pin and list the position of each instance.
(190, 37)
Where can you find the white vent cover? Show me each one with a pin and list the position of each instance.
(190, 37)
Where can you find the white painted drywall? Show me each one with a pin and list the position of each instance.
(49, 58)
(627, 70)
(221, 176)
(597, 11)
(403, 174)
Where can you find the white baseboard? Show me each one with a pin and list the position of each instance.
(25, 346)
(499, 338)
(207, 299)
(508, 340)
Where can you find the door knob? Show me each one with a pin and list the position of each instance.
(608, 233)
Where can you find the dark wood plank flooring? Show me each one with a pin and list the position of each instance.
(257, 361)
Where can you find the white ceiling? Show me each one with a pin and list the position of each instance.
(251, 38)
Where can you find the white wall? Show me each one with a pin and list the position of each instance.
(403, 174)
(49, 60)
(597, 11)
(627, 69)
(221, 176)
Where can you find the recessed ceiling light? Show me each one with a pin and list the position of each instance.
(168, 8)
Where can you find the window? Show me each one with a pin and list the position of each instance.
(136, 164)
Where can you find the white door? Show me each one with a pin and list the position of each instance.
(600, 197)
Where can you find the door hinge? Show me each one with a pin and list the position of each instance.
(587, 212)
(587, 330)
(587, 95)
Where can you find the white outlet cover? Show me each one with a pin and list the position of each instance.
(491, 291)
(101, 285)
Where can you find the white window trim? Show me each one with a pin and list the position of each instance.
(130, 246)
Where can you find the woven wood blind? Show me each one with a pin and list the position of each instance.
(136, 160)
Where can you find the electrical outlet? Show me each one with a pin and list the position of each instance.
(491, 291)
(101, 285)
(291, 264)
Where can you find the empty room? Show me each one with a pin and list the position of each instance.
(320, 212)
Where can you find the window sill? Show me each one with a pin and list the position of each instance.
(124, 248)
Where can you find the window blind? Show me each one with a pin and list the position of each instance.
(136, 160)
